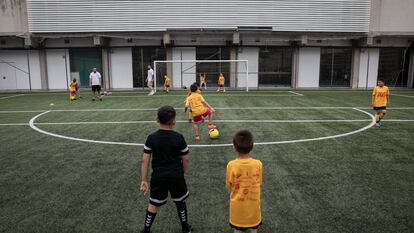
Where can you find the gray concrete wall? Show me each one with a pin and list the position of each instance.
(13, 17)
(392, 17)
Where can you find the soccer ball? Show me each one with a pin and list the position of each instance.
(213, 133)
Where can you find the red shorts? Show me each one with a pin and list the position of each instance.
(199, 118)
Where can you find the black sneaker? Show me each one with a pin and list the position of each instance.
(188, 229)
(100, 99)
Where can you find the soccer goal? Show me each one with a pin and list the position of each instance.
(183, 73)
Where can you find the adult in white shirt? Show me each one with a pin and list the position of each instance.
(95, 84)
(150, 80)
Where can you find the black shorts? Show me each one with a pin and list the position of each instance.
(167, 86)
(380, 108)
(221, 85)
(96, 88)
(244, 229)
(159, 189)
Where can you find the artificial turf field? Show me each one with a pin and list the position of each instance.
(357, 178)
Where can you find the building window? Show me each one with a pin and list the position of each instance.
(213, 70)
(391, 66)
(275, 67)
(335, 68)
(141, 58)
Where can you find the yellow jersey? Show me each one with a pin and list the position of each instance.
(244, 178)
(167, 81)
(195, 101)
(72, 86)
(221, 80)
(380, 95)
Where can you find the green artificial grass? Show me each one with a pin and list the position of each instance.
(359, 183)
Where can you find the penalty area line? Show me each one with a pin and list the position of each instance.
(180, 108)
(407, 96)
(207, 95)
(372, 123)
(11, 96)
(296, 93)
(220, 121)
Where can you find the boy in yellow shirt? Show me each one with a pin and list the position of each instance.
(199, 109)
(244, 178)
(221, 81)
(167, 83)
(380, 100)
(73, 88)
(203, 81)
(190, 116)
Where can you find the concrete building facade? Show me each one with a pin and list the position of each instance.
(295, 44)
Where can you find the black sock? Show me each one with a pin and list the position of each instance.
(182, 214)
(149, 219)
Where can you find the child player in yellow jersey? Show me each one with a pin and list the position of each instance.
(73, 86)
(221, 81)
(244, 178)
(167, 83)
(199, 108)
(380, 100)
(190, 116)
(203, 81)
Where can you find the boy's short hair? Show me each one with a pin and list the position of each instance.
(166, 114)
(243, 141)
(380, 80)
(194, 87)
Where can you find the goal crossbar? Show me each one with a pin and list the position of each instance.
(200, 61)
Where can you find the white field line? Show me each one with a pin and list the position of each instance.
(296, 93)
(23, 111)
(220, 121)
(208, 95)
(408, 96)
(10, 96)
(372, 123)
(209, 91)
(14, 124)
(31, 124)
(181, 121)
(180, 108)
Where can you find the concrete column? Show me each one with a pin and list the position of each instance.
(169, 56)
(411, 70)
(43, 70)
(295, 65)
(355, 68)
(233, 67)
(105, 68)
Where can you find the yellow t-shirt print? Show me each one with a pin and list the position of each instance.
(244, 178)
(381, 96)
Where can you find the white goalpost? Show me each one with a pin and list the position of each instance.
(192, 64)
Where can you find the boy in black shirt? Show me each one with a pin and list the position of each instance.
(169, 153)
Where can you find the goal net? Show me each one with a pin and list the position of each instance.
(183, 73)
